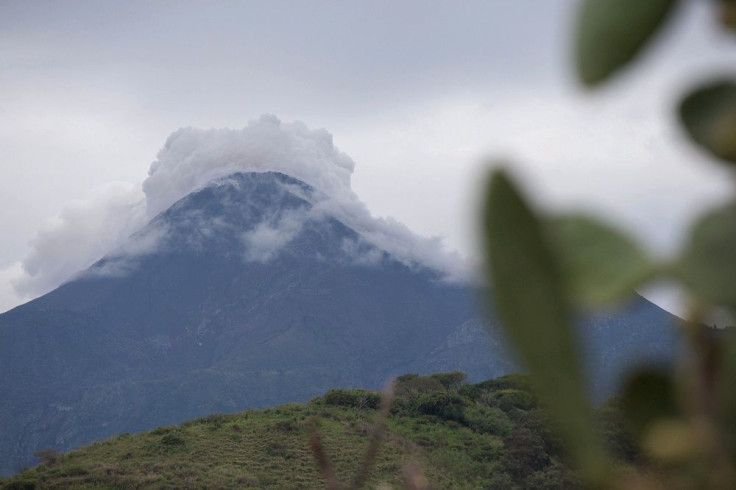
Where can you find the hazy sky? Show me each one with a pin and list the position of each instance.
(420, 94)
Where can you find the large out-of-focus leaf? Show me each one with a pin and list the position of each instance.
(533, 306)
(709, 115)
(602, 264)
(708, 264)
(610, 33)
(648, 396)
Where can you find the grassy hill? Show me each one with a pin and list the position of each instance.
(485, 435)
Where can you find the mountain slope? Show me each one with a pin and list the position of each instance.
(246, 293)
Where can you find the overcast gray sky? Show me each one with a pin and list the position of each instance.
(418, 93)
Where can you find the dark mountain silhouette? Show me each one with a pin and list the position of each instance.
(243, 295)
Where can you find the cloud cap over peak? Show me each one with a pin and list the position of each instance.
(191, 158)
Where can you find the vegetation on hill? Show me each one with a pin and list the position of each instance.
(486, 435)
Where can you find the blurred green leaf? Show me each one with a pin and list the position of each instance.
(532, 303)
(610, 33)
(727, 387)
(671, 440)
(602, 263)
(708, 264)
(648, 396)
(709, 115)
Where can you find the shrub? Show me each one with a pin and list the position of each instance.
(285, 425)
(21, 485)
(507, 382)
(215, 419)
(74, 470)
(159, 431)
(616, 430)
(352, 399)
(279, 450)
(551, 478)
(487, 420)
(500, 481)
(511, 398)
(412, 384)
(539, 423)
(172, 440)
(523, 452)
(472, 392)
(452, 380)
(48, 456)
(445, 405)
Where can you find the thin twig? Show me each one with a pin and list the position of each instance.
(414, 477)
(376, 437)
(323, 462)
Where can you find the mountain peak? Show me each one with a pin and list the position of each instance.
(127, 223)
(256, 216)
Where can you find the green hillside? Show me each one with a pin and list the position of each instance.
(485, 435)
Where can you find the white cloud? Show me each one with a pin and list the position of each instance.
(9, 297)
(393, 237)
(359, 253)
(263, 243)
(81, 234)
(193, 157)
(123, 259)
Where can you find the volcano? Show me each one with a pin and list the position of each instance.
(253, 289)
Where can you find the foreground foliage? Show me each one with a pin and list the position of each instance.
(485, 435)
(543, 266)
